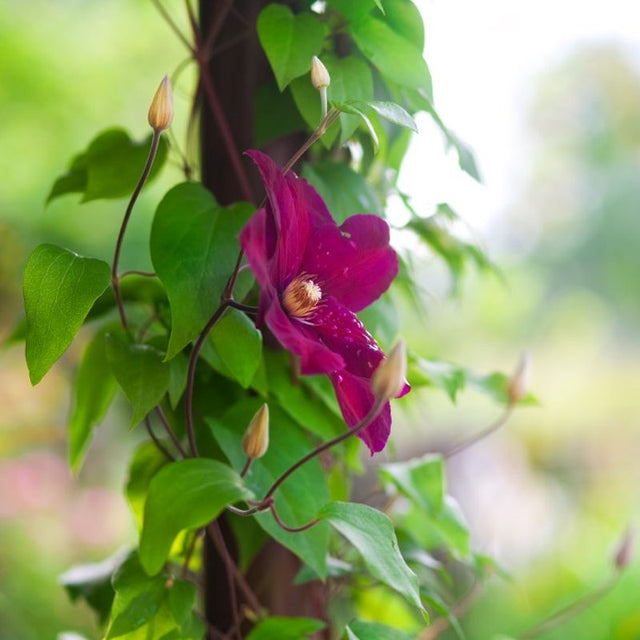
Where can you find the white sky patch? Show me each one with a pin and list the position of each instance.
(485, 58)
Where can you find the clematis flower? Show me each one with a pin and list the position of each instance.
(314, 277)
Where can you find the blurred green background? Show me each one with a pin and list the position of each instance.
(549, 495)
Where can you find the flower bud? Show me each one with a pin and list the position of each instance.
(161, 110)
(320, 78)
(389, 378)
(518, 386)
(256, 438)
(625, 550)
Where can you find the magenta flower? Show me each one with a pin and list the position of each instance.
(314, 277)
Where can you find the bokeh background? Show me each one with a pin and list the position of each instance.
(548, 96)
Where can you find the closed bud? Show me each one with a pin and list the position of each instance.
(518, 386)
(320, 78)
(256, 438)
(390, 377)
(161, 109)
(625, 550)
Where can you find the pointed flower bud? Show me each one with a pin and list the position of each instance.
(518, 386)
(256, 438)
(320, 78)
(389, 378)
(625, 550)
(161, 109)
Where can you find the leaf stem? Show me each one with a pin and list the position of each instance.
(115, 281)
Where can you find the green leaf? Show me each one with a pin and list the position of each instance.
(237, 344)
(420, 479)
(59, 289)
(449, 377)
(146, 462)
(371, 533)
(355, 11)
(184, 495)
(405, 19)
(92, 583)
(444, 529)
(93, 391)
(310, 412)
(299, 498)
(109, 168)
(178, 368)
(140, 372)
(355, 110)
(397, 58)
(344, 191)
(290, 41)
(276, 114)
(361, 630)
(281, 628)
(194, 248)
(393, 113)
(152, 607)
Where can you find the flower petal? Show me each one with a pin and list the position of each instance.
(353, 263)
(315, 357)
(287, 221)
(254, 241)
(342, 332)
(355, 400)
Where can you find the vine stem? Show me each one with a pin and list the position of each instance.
(191, 375)
(218, 541)
(115, 280)
(201, 58)
(465, 444)
(363, 424)
(571, 610)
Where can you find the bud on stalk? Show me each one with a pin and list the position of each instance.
(256, 438)
(625, 550)
(161, 110)
(518, 386)
(320, 78)
(389, 378)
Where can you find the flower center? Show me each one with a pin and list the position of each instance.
(301, 296)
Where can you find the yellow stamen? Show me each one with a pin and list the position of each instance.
(301, 296)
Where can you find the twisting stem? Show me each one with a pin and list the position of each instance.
(304, 527)
(365, 422)
(465, 444)
(154, 438)
(115, 282)
(191, 375)
(167, 427)
(218, 541)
